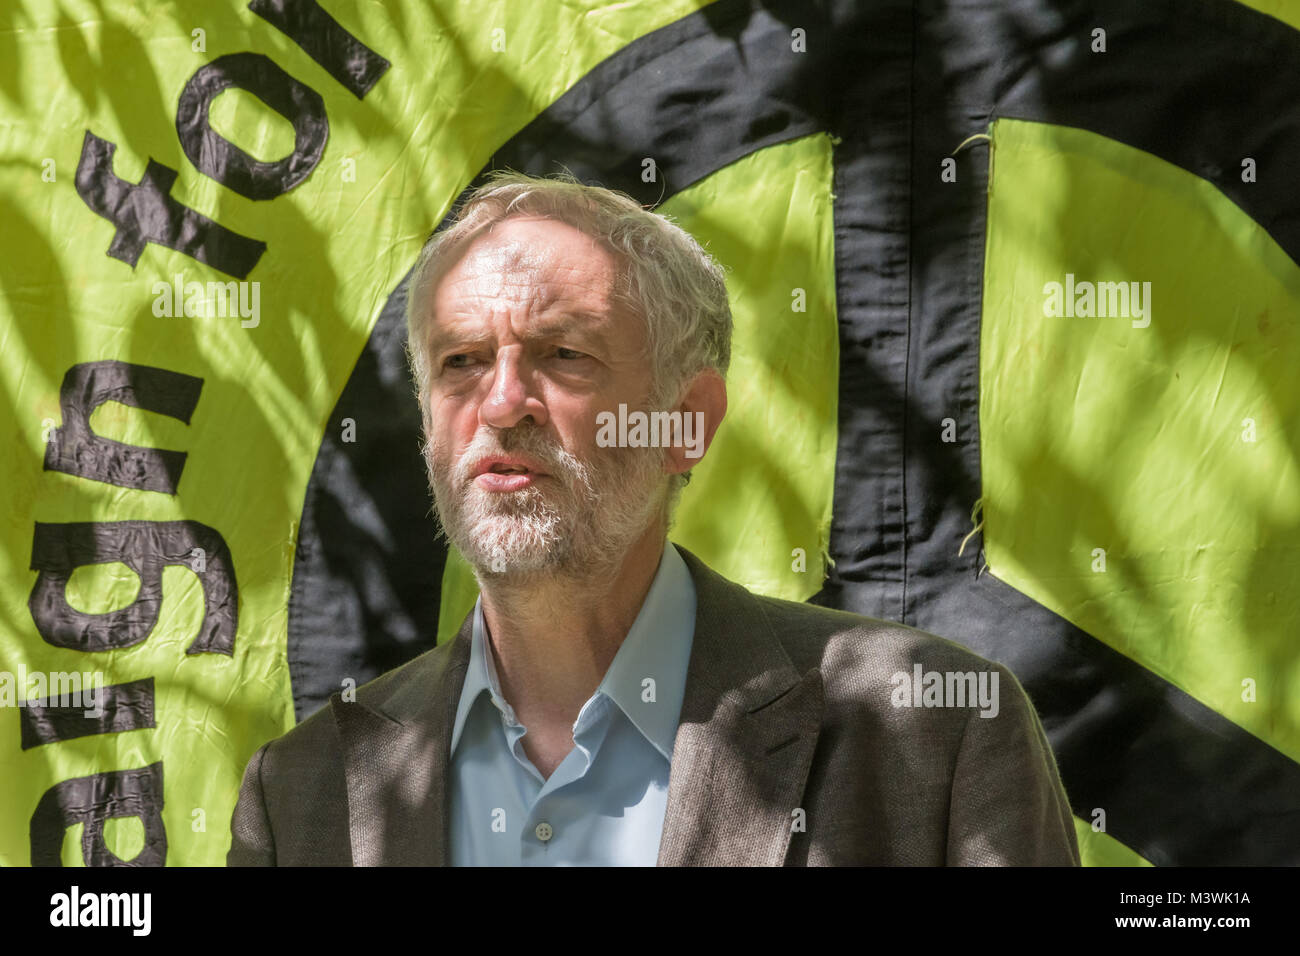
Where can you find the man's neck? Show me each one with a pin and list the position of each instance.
(553, 640)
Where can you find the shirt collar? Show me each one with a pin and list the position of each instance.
(657, 648)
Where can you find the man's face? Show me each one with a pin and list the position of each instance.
(526, 347)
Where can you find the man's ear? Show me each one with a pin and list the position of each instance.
(703, 406)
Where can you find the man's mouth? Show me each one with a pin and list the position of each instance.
(506, 473)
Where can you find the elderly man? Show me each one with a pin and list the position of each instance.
(611, 700)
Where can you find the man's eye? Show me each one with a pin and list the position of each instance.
(458, 361)
(564, 353)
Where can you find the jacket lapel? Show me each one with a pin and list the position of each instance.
(396, 749)
(745, 741)
(749, 726)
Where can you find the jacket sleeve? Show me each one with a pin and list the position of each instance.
(1008, 807)
(251, 840)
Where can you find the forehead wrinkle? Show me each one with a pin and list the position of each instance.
(544, 314)
(553, 293)
(527, 272)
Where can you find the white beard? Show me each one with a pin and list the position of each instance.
(579, 520)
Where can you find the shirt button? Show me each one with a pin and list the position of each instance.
(544, 832)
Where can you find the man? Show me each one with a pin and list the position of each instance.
(611, 700)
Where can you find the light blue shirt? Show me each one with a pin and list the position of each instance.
(604, 804)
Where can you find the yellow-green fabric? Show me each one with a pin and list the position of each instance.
(463, 80)
(1141, 480)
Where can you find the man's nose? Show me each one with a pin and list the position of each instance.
(511, 396)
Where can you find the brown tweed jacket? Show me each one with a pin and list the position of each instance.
(789, 707)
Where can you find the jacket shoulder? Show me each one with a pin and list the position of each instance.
(293, 803)
(959, 730)
(317, 736)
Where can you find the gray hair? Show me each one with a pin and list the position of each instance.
(675, 288)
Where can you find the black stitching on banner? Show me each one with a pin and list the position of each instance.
(217, 157)
(92, 801)
(146, 547)
(145, 212)
(75, 449)
(122, 707)
(342, 55)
